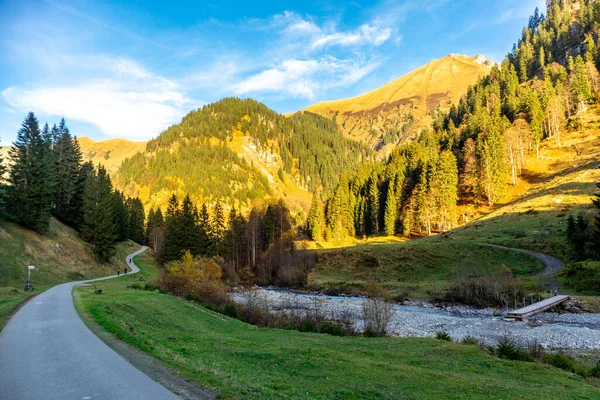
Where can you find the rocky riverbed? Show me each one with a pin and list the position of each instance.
(550, 330)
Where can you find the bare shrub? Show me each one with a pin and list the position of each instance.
(377, 311)
(482, 292)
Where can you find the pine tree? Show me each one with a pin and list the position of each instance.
(67, 157)
(173, 243)
(32, 177)
(580, 85)
(316, 219)
(77, 202)
(136, 219)
(391, 210)
(121, 216)
(189, 229)
(99, 227)
(373, 206)
(218, 228)
(204, 231)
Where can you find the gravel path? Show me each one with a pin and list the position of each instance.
(552, 331)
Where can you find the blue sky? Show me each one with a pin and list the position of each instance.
(131, 68)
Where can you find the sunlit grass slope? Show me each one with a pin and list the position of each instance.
(237, 360)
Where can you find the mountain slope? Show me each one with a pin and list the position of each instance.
(240, 152)
(390, 113)
(109, 153)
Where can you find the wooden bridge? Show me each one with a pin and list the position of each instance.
(523, 314)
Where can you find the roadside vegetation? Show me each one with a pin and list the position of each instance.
(238, 360)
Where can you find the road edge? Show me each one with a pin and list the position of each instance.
(148, 365)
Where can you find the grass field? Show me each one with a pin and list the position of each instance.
(241, 361)
(58, 256)
(416, 268)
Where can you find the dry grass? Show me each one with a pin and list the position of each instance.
(440, 82)
(109, 153)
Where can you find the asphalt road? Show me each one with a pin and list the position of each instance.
(553, 264)
(47, 352)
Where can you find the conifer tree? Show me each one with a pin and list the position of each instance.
(173, 242)
(391, 210)
(136, 219)
(580, 83)
(189, 229)
(121, 216)
(316, 219)
(373, 206)
(67, 157)
(204, 231)
(218, 228)
(99, 227)
(32, 177)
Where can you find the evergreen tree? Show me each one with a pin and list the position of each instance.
(173, 244)
(99, 227)
(32, 177)
(77, 202)
(316, 219)
(121, 216)
(372, 219)
(580, 83)
(218, 228)
(189, 228)
(136, 219)
(391, 210)
(204, 231)
(67, 157)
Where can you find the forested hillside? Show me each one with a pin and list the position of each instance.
(210, 155)
(475, 153)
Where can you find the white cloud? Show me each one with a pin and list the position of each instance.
(131, 103)
(365, 35)
(306, 78)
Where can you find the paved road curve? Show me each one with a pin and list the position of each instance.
(553, 265)
(47, 352)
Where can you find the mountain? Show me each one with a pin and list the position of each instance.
(109, 153)
(240, 152)
(395, 111)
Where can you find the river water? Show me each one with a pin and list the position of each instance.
(550, 330)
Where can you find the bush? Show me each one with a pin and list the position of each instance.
(331, 328)
(595, 371)
(370, 332)
(469, 340)
(196, 278)
(135, 286)
(508, 350)
(231, 310)
(560, 361)
(482, 292)
(443, 336)
(377, 311)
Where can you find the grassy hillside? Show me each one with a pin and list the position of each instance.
(110, 153)
(59, 256)
(391, 108)
(241, 361)
(417, 269)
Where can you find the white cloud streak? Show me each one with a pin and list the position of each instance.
(131, 103)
